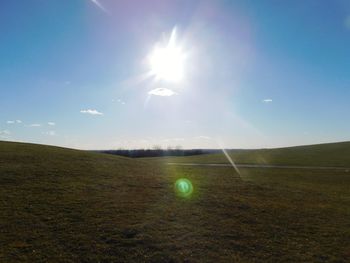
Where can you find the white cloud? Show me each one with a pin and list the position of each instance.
(50, 133)
(99, 5)
(13, 122)
(119, 101)
(35, 125)
(91, 112)
(267, 100)
(162, 92)
(51, 123)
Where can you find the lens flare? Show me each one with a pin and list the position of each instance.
(183, 187)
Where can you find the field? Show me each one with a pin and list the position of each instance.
(329, 154)
(62, 205)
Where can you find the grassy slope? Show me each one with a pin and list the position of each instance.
(330, 154)
(62, 205)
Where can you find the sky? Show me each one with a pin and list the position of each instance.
(91, 74)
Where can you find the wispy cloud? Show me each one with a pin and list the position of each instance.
(50, 133)
(119, 101)
(13, 122)
(91, 112)
(4, 134)
(51, 123)
(162, 92)
(35, 125)
(267, 100)
(99, 5)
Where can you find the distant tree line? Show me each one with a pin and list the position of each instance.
(158, 152)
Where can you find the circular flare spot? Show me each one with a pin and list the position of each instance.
(183, 187)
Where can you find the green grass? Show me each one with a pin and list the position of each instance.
(61, 205)
(329, 154)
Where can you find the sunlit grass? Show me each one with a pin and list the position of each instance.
(61, 205)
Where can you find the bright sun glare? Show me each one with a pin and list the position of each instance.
(167, 62)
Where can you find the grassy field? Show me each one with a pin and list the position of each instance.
(61, 205)
(330, 154)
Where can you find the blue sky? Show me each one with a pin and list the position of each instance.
(76, 73)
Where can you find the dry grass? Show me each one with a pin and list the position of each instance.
(329, 154)
(60, 205)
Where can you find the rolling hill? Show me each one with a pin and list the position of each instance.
(64, 205)
(329, 154)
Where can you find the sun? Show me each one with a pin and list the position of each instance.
(167, 62)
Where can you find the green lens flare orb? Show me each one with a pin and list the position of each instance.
(183, 187)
